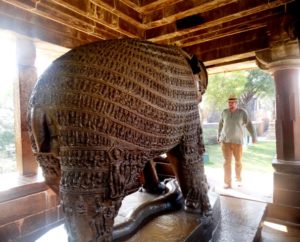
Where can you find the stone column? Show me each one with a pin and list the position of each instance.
(284, 62)
(26, 79)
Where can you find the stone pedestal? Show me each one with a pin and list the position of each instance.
(138, 219)
(284, 62)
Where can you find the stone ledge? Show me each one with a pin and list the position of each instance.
(22, 191)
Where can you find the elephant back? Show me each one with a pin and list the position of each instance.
(123, 90)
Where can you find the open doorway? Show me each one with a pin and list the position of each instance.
(10, 115)
(256, 93)
(8, 73)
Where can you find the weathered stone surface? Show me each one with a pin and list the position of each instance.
(32, 204)
(27, 215)
(101, 112)
(10, 231)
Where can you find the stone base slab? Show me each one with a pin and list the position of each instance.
(147, 217)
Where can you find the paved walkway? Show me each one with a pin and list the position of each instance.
(256, 186)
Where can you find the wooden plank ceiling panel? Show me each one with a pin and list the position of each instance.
(210, 28)
(214, 17)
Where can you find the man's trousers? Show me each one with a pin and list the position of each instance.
(229, 150)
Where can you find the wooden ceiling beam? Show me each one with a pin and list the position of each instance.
(120, 8)
(81, 20)
(231, 45)
(219, 35)
(95, 14)
(223, 27)
(152, 6)
(61, 35)
(211, 18)
(243, 24)
(170, 13)
(247, 56)
(141, 5)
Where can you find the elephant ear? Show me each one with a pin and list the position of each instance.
(194, 64)
(203, 76)
(198, 67)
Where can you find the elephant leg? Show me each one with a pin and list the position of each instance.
(91, 199)
(151, 181)
(187, 163)
(89, 218)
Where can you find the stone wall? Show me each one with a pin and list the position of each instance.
(26, 217)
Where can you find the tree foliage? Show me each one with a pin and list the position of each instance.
(259, 84)
(244, 84)
(222, 85)
(7, 135)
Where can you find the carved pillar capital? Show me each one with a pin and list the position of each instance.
(285, 56)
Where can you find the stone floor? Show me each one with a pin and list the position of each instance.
(256, 187)
(238, 222)
(173, 226)
(274, 232)
(237, 214)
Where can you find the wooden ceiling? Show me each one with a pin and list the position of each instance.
(220, 32)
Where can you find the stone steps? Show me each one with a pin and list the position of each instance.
(281, 224)
(27, 210)
(276, 231)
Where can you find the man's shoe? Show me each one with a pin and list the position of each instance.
(239, 183)
(226, 186)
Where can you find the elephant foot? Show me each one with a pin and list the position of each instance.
(192, 206)
(197, 207)
(197, 202)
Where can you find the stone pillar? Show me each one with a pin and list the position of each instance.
(26, 79)
(284, 62)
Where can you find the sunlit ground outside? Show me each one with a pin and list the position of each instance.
(8, 75)
(257, 171)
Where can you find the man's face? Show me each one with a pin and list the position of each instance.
(232, 105)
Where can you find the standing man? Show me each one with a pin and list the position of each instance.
(231, 136)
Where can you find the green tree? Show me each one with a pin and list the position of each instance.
(259, 84)
(244, 84)
(7, 135)
(220, 86)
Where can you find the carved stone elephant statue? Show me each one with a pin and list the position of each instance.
(100, 112)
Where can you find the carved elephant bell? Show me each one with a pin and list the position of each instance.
(100, 112)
